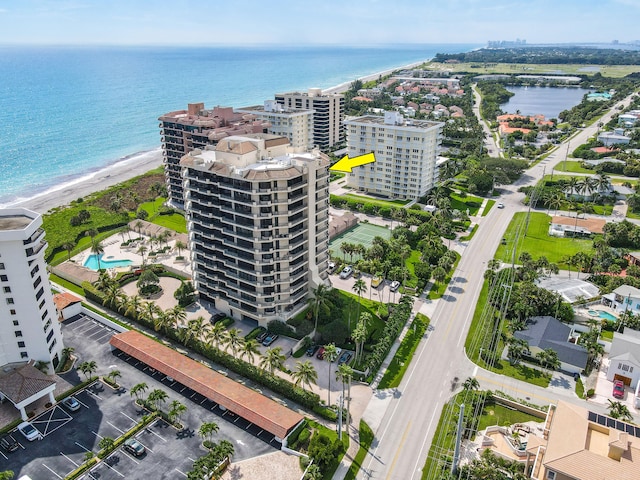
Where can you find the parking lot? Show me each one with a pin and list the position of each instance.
(106, 412)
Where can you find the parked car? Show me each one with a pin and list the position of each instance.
(71, 404)
(395, 285)
(216, 317)
(311, 351)
(500, 205)
(376, 281)
(345, 358)
(618, 389)
(332, 267)
(260, 338)
(134, 447)
(272, 337)
(8, 443)
(29, 431)
(320, 354)
(346, 272)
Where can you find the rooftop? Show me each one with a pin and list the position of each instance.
(63, 300)
(380, 120)
(258, 409)
(19, 382)
(14, 222)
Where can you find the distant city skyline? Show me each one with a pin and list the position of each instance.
(295, 22)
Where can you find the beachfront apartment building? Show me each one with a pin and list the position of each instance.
(29, 328)
(328, 114)
(257, 217)
(406, 153)
(184, 130)
(293, 123)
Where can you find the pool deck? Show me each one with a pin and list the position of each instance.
(585, 312)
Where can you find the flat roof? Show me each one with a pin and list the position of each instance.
(14, 222)
(251, 405)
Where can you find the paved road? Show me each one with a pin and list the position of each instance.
(489, 139)
(411, 414)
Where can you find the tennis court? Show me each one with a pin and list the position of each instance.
(362, 233)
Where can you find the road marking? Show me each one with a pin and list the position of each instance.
(99, 436)
(5, 457)
(181, 473)
(398, 450)
(52, 471)
(415, 468)
(154, 433)
(107, 464)
(121, 431)
(145, 446)
(130, 456)
(475, 371)
(69, 459)
(91, 393)
(134, 421)
(82, 447)
(83, 404)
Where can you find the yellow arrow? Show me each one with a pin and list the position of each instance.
(345, 164)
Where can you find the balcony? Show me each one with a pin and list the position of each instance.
(33, 238)
(35, 250)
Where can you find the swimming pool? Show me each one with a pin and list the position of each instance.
(109, 262)
(602, 314)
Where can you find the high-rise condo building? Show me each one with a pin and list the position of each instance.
(257, 217)
(183, 130)
(295, 124)
(327, 119)
(29, 328)
(405, 150)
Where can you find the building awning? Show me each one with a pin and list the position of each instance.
(254, 407)
(24, 382)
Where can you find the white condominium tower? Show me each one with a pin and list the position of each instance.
(29, 328)
(405, 151)
(257, 217)
(328, 114)
(295, 124)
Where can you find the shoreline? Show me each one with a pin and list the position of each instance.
(86, 183)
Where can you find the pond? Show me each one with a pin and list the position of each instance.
(548, 101)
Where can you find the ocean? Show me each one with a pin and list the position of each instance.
(70, 111)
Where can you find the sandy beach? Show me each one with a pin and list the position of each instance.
(131, 167)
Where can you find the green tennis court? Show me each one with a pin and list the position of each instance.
(362, 233)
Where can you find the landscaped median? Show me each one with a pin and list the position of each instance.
(366, 438)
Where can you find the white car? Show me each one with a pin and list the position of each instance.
(346, 272)
(395, 285)
(332, 267)
(501, 205)
(29, 431)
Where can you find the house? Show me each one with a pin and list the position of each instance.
(613, 138)
(585, 445)
(67, 305)
(575, 227)
(624, 358)
(547, 332)
(623, 298)
(627, 120)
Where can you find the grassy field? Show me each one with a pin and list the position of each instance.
(496, 414)
(380, 203)
(175, 221)
(487, 207)
(463, 204)
(538, 242)
(615, 71)
(572, 166)
(366, 438)
(402, 359)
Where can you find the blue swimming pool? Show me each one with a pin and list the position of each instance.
(92, 262)
(604, 315)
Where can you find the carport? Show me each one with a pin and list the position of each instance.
(254, 407)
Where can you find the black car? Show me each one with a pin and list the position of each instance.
(345, 357)
(134, 447)
(8, 443)
(217, 317)
(311, 351)
(260, 338)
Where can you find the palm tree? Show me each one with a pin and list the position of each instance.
(88, 368)
(192, 330)
(548, 358)
(330, 355)
(359, 335)
(176, 410)
(555, 201)
(313, 473)
(439, 274)
(359, 287)
(180, 246)
(156, 397)
(113, 296)
(207, 430)
(149, 312)
(471, 383)
(133, 307)
(225, 449)
(272, 359)
(67, 352)
(68, 246)
(178, 315)
(319, 299)
(249, 349)
(216, 335)
(113, 375)
(344, 373)
(234, 340)
(138, 390)
(517, 349)
(571, 185)
(305, 373)
(141, 251)
(97, 249)
(619, 410)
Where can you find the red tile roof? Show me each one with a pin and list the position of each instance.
(258, 409)
(63, 300)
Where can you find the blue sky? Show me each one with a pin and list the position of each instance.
(300, 22)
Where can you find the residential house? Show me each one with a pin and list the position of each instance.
(624, 298)
(624, 358)
(613, 138)
(575, 227)
(547, 332)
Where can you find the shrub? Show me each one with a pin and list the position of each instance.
(590, 393)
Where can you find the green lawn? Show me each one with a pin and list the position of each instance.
(366, 438)
(487, 207)
(375, 201)
(573, 166)
(174, 221)
(401, 360)
(66, 284)
(496, 414)
(538, 242)
(331, 433)
(468, 237)
(463, 204)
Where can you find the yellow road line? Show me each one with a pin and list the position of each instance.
(395, 458)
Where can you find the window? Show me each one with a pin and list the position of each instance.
(18, 333)
(7, 289)
(10, 301)
(551, 475)
(1, 266)
(50, 335)
(4, 278)
(21, 345)
(53, 344)
(24, 355)
(16, 323)
(12, 311)
(40, 293)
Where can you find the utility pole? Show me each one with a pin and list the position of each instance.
(456, 452)
(340, 405)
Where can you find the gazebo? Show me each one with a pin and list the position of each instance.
(23, 384)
